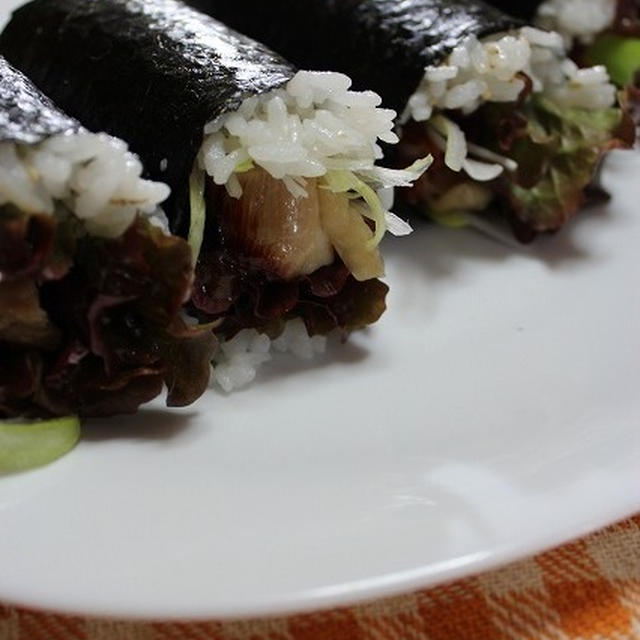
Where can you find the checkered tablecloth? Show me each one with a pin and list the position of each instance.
(587, 590)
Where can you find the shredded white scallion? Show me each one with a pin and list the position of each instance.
(198, 212)
(456, 143)
(396, 225)
(486, 154)
(481, 171)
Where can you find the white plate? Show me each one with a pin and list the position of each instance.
(493, 412)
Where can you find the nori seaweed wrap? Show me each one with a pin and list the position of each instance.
(283, 161)
(90, 286)
(516, 129)
(383, 45)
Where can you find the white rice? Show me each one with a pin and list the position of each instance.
(94, 175)
(480, 71)
(312, 125)
(236, 361)
(577, 20)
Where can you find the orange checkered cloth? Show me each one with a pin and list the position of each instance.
(587, 590)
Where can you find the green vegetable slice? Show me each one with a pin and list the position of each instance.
(345, 181)
(33, 444)
(451, 219)
(198, 212)
(243, 167)
(620, 54)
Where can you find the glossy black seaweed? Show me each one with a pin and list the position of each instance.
(383, 45)
(523, 9)
(26, 115)
(152, 72)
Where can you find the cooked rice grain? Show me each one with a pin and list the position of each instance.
(95, 175)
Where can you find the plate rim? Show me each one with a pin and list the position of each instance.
(354, 593)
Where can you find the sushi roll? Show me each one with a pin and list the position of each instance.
(91, 282)
(273, 170)
(516, 129)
